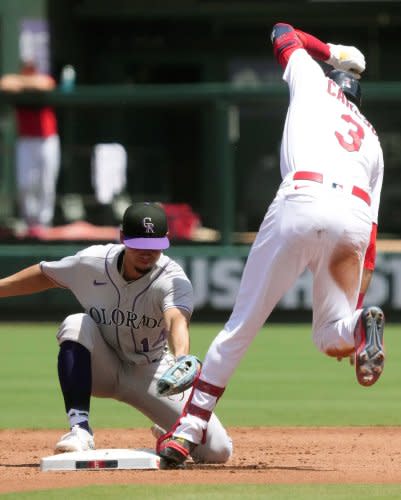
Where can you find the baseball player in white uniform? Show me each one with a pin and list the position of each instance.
(137, 306)
(37, 149)
(324, 218)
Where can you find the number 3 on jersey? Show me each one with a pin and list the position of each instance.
(356, 135)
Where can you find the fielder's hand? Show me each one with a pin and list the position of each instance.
(347, 58)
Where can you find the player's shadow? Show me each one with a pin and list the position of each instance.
(191, 466)
(31, 466)
(194, 466)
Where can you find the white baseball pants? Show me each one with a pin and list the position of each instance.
(37, 169)
(308, 225)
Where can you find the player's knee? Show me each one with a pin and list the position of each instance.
(318, 340)
(323, 337)
(224, 453)
(214, 456)
(78, 328)
(216, 451)
(328, 340)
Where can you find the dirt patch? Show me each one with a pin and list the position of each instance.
(261, 455)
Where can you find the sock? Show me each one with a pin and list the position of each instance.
(75, 375)
(79, 417)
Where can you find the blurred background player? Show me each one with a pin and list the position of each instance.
(37, 149)
(324, 217)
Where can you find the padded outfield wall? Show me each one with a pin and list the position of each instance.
(215, 273)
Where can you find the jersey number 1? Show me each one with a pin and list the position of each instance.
(356, 135)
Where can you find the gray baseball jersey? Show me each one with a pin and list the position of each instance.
(123, 328)
(128, 314)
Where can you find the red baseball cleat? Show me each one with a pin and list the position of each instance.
(174, 452)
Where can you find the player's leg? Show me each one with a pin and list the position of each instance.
(339, 329)
(337, 271)
(86, 366)
(334, 299)
(50, 161)
(218, 446)
(278, 256)
(27, 177)
(138, 388)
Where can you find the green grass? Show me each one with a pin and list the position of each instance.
(282, 380)
(220, 492)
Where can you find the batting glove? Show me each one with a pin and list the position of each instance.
(347, 58)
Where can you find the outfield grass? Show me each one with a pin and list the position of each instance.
(219, 492)
(282, 380)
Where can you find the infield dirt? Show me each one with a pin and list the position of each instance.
(261, 455)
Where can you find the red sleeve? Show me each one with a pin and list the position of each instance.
(370, 256)
(315, 47)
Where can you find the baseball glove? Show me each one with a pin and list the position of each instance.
(179, 377)
(347, 58)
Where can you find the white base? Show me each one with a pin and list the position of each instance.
(102, 459)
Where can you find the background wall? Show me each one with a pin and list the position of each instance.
(140, 42)
(187, 42)
(135, 43)
(220, 155)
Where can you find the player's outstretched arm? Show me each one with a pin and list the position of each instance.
(14, 82)
(177, 324)
(342, 57)
(37, 82)
(29, 280)
(286, 39)
(181, 375)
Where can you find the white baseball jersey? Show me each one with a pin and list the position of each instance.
(129, 315)
(322, 123)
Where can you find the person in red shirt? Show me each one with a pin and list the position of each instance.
(37, 149)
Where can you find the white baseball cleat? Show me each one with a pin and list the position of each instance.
(78, 439)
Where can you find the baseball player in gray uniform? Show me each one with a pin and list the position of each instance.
(324, 217)
(137, 306)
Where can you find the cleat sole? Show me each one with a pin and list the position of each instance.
(369, 356)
